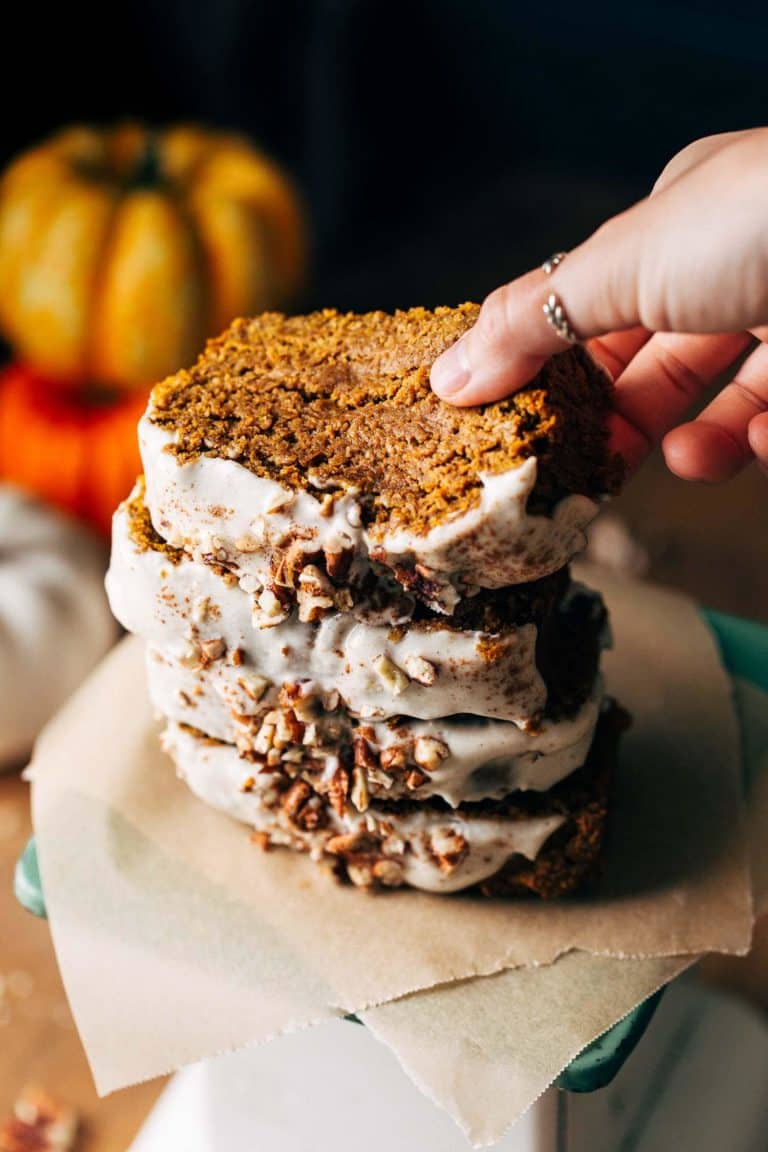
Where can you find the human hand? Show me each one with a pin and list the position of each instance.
(668, 295)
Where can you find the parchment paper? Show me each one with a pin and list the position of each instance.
(485, 1049)
(177, 939)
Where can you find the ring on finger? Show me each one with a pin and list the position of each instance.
(553, 308)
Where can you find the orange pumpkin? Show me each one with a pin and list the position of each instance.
(121, 250)
(80, 457)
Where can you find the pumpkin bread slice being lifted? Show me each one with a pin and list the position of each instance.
(317, 440)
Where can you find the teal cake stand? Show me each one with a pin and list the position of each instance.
(744, 650)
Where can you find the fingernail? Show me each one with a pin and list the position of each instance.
(450, 372)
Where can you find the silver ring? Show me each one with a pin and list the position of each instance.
(549, 265)
(553, 310)
(554, 314)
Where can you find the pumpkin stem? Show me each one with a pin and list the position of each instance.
(147, 173)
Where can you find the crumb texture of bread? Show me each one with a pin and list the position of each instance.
(342, 402)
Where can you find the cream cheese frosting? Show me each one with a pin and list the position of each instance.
(461, 758)
(213, 506)
(190, 610)
(217, 775)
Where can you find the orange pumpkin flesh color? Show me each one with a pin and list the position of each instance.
(79, 456)
(122, 249)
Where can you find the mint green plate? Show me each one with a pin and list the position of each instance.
(744, 649)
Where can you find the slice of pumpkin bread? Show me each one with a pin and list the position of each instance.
(319, 436)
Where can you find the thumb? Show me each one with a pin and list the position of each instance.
(597, 287)
(691, 258)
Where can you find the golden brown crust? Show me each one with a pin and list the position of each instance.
(143, 533)
(346, 399)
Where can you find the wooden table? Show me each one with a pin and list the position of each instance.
(38, 1041)
(713, 543)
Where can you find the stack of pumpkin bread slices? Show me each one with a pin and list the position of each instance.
(360, 623)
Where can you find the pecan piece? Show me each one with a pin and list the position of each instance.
(420, 670)
(352, 843)
(338, 790)
(394, 757)
(301, 807)
(429, 752)
(415, 779)
(338, 564)
(392, 677)
(449, 847)
(363, 754)
(212, 650)
(359, 793)
(388, 872)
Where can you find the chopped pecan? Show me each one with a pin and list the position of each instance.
(359, 793)
(312, 815)
(388, 873)
(420, 670)
(312, 607)
(289, 692)
(253, 686)
(295, 728)
(295, 800)
(192, 656)
(315, 580)
(360, 874)
(394, 757)
(212, 650)
(338, 790)
(415, 779)
(338, 564)
(296, 559)
(270, 604)
(449, 847)
(327, 502)
(392, 677)
(363, 754)
(352, 843)
(429, 752)
(264, 738)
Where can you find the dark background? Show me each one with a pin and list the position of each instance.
(442, 146)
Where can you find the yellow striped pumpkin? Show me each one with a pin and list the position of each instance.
(122, 249)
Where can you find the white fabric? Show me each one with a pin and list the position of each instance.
(55, 623)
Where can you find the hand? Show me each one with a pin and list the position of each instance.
(670, 294)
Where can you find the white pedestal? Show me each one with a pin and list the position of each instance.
(698, 1082)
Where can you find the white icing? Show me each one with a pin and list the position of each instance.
(208, 504)
(159, 601)
(498, 542)
(215, 773)
(487, 759)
